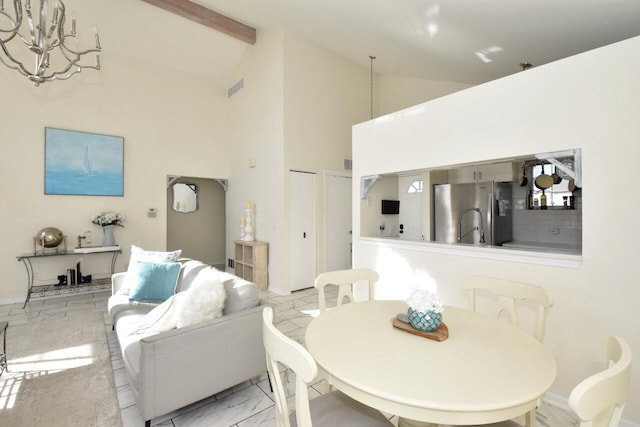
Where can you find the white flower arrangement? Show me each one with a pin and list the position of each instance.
(423, 301)
(108, 218)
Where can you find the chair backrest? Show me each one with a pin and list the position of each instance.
(599, 400)
(508, 292)
(282, 349)
(344, 279)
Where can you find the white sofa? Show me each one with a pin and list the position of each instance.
(174, 368)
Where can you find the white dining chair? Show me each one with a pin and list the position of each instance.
(344, 279)
(600, 399)
(508, 294)
(334, 409)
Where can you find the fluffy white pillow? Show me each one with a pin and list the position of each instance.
(140, 255)
(204, 300)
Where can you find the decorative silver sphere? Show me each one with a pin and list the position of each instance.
(51, 237)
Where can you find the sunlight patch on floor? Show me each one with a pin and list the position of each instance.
(56, 360)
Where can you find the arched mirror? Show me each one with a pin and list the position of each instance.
(185, 197)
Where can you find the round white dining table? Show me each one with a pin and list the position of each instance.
(485, 371)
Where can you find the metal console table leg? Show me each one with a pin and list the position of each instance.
(3, 356)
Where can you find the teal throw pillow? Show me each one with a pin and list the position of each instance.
(153, 281)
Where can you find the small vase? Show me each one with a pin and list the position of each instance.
(425, 322)
(108, 238)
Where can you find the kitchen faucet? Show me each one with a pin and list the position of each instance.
(481, 229)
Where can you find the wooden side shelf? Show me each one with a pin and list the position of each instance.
(251, 262)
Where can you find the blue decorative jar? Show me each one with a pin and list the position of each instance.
(425, 321)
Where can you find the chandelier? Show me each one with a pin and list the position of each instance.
(57, 56)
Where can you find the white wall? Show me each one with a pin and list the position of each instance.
(325, 95)
(295, 111)
(256, 133)
(171, 123)
(392, 93)
(589, 101)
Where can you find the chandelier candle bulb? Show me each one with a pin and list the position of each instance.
(95, 31)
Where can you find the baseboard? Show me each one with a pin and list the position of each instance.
(563, 403)
(8, 301)
(278, 291)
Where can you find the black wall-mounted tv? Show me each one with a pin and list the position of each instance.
(390, 207)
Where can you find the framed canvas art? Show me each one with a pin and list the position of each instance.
(83, 163)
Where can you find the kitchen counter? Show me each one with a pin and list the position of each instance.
(525, 252)
(544, 247)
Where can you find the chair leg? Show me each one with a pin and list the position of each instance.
(270, 385)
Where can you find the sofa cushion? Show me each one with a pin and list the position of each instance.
(118, 304)
(241, 294)
(128, 322)
(153, 281)
(139, 254)
(204, 300)
(190, 270)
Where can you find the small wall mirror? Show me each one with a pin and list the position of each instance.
(185, 197)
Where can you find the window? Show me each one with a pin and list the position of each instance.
(415, 187)
(558, 194)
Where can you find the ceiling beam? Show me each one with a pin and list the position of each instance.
(208, 17)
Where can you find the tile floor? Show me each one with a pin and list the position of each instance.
(246, 405)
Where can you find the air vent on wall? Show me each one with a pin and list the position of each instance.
(347, 165)
(235, 88)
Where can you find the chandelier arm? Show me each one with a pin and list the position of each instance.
(32, 28)
(57, 75)
(64, 48)
(13, 67)
(57, 20)
(19, 66)
(16, 22)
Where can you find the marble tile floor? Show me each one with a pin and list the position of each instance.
(246, 405)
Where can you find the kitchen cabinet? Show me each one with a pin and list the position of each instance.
(251, 260)
(498, 172)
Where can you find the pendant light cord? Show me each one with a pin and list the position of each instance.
(372, 58)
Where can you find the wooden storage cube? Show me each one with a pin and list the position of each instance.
(251, 261)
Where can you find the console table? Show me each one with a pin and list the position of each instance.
(29, 258)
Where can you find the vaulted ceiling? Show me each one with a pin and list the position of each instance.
(454, 40)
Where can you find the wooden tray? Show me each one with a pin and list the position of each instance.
(441, 334)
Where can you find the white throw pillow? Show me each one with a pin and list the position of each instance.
(162, 318)
(204, 300)
(139, 254)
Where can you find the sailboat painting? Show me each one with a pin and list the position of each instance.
(82, 163)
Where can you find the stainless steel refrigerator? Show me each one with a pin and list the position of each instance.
(475, 213)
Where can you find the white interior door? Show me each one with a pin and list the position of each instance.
(303, 229)
(338, 227)
(411, 200)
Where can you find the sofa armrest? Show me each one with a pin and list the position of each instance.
(180, 366)
(117, 280)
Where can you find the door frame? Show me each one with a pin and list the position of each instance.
(314, 227)
(325, 174)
